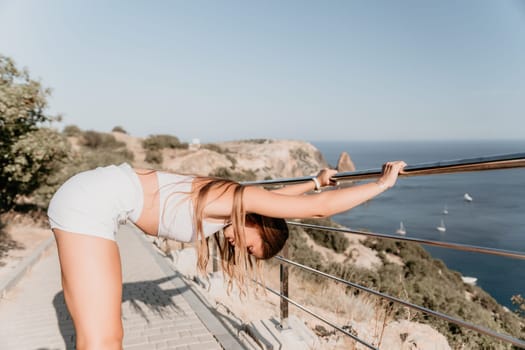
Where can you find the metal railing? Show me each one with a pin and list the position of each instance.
(507, 161)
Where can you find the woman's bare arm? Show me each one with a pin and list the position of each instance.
(323, 204)
(270, 203)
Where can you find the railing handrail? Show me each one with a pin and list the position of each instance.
(504, 161)
(457, 246)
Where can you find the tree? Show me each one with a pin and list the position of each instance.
(28, 151)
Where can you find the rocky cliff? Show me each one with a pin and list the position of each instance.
(256, 159)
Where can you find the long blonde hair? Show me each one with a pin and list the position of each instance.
(237, 264)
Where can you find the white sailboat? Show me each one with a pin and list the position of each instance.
(441, 227)
(467, 197)
(445, 210)
(401, 230)
(469, 280)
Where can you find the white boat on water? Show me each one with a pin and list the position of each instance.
(401, 230)
(467, 197)
(445, 210)
(469, 280)
(441, 227)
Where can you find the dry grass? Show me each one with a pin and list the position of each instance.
(366, 316)
(361, 314)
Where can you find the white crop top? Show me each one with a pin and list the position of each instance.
(176, 209)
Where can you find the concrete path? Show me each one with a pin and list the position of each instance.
(159, 310)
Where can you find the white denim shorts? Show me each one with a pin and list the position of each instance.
(96, 202)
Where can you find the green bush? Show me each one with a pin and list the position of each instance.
(119, 129)
(157, 142)
(421, 280)
(91, 160)
(240, 176)
(300, 154)
(99, 140)
(329, 239)
(126, 154)
(428, 282)
(154, 156)
(29, 152)
(36, 156)
(258, 141)
(72, 130)
(233, 161)
(212, 147)
(299, 251)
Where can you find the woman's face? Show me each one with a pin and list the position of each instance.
(253, 239)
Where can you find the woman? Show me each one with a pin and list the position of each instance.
(86, 210)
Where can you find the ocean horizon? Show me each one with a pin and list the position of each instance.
(494, 219)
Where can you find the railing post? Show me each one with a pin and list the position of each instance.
(215, 263)
(283, 269)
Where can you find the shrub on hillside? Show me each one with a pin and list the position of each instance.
(329, 239)
(421, 280)
(157, 142)
(84, 159)
(154, 156)
(258, 141)
(300, 154)
(240, 176)
(72, 130)
(119, 129)
(212, 147)
(298, 249)
(98, 149)
(428, 282)
(43, 151)
(93, 159)
(98, 140)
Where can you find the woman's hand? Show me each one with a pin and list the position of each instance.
(324, 176)
(390, 172)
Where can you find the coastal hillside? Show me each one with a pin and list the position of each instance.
(404, 270)
(247, 159)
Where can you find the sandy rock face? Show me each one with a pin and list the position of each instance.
(199, 162)
(277, 158)
(266, 159)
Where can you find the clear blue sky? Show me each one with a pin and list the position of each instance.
(313, 70)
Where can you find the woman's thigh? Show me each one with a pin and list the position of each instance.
(92, 283)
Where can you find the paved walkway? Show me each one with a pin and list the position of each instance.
(159, 310)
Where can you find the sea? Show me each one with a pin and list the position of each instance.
(495, 218)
